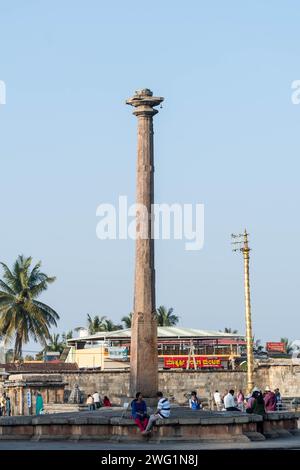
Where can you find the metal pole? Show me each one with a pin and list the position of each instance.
(249, 337)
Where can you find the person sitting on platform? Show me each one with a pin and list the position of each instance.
(240, 400)
(97, 401)
(163, 411)
(106, 401)
(194, 402)
(270, 399)
(218, 400)
(90, 402)
(278, 399)
(229, 402)
(139, 412)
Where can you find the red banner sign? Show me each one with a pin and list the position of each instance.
(275, 347)
(180, 362)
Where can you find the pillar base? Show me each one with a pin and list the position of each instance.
(151, 402)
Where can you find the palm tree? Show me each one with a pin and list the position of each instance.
(96, 324)
(29, 357)
(66, 335)
(288, 345)
(127, 320)
(9, 355)
(54, 344)
(229, 330)
(111, 326)
(166, 317)
(22, 316)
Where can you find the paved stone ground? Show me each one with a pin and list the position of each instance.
(178, 412)
(286, 443)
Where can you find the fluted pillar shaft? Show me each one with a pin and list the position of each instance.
(143, 351)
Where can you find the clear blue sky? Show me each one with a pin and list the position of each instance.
(227, 136)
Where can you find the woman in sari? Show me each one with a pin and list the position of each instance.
(39, 404)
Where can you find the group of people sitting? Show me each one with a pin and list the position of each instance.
(140, 416)
(95, 402)
(257, 402)
(261, 403)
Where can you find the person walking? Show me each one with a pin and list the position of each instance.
(39, 404)
(229, 401)
(139, 412)
(269, 399)
(194, 402)
(163, 411)
(97, 401)
(218, 400)
(90, 403)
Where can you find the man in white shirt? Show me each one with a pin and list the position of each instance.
(163, 411)
(229, 402)
(218, 400)
(96, 398)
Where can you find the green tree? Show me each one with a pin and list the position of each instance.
(9, 355)
(111, 326)
(288, 345)
(54, 344)
(66, 335)
(229, 330)
(166, 317)
(28, 357)
(96, 324)
(22, 316)
(127, 320)
(39, 356)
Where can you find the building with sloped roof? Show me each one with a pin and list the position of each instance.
(174, 343)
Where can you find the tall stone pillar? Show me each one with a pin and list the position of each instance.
(143, 351)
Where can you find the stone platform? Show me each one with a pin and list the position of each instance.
(115, 424)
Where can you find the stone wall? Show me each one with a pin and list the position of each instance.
(286, 376)
(115, 384)
(177, 383)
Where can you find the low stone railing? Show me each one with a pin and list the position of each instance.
(186, 425)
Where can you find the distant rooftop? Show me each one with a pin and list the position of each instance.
(38, 367)
(162, 332)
